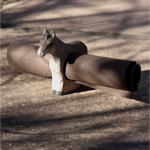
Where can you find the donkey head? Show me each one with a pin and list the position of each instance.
(47, 42)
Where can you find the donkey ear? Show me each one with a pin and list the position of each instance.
(53, 35)
(45, 32)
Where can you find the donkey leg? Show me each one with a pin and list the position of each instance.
(56, 92)
(57, 84)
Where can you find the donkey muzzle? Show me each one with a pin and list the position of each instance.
(40, 52)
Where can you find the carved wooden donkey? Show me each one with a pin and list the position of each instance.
(59, 52)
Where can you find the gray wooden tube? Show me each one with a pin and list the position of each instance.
(23, 58)
(103, 71)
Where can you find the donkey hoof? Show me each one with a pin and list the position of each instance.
(56, 92)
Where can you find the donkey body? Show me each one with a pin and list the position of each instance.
(59, 53)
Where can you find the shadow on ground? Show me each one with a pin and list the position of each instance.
(143, 88)
(89, 131)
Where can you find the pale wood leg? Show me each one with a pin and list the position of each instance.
(57, 84)
(60, 85)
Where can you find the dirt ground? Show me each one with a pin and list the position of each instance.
(33, 119)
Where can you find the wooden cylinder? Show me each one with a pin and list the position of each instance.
(115, 76)
(103, 71)
(23, 58)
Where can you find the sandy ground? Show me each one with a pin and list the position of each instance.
(33, 119)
